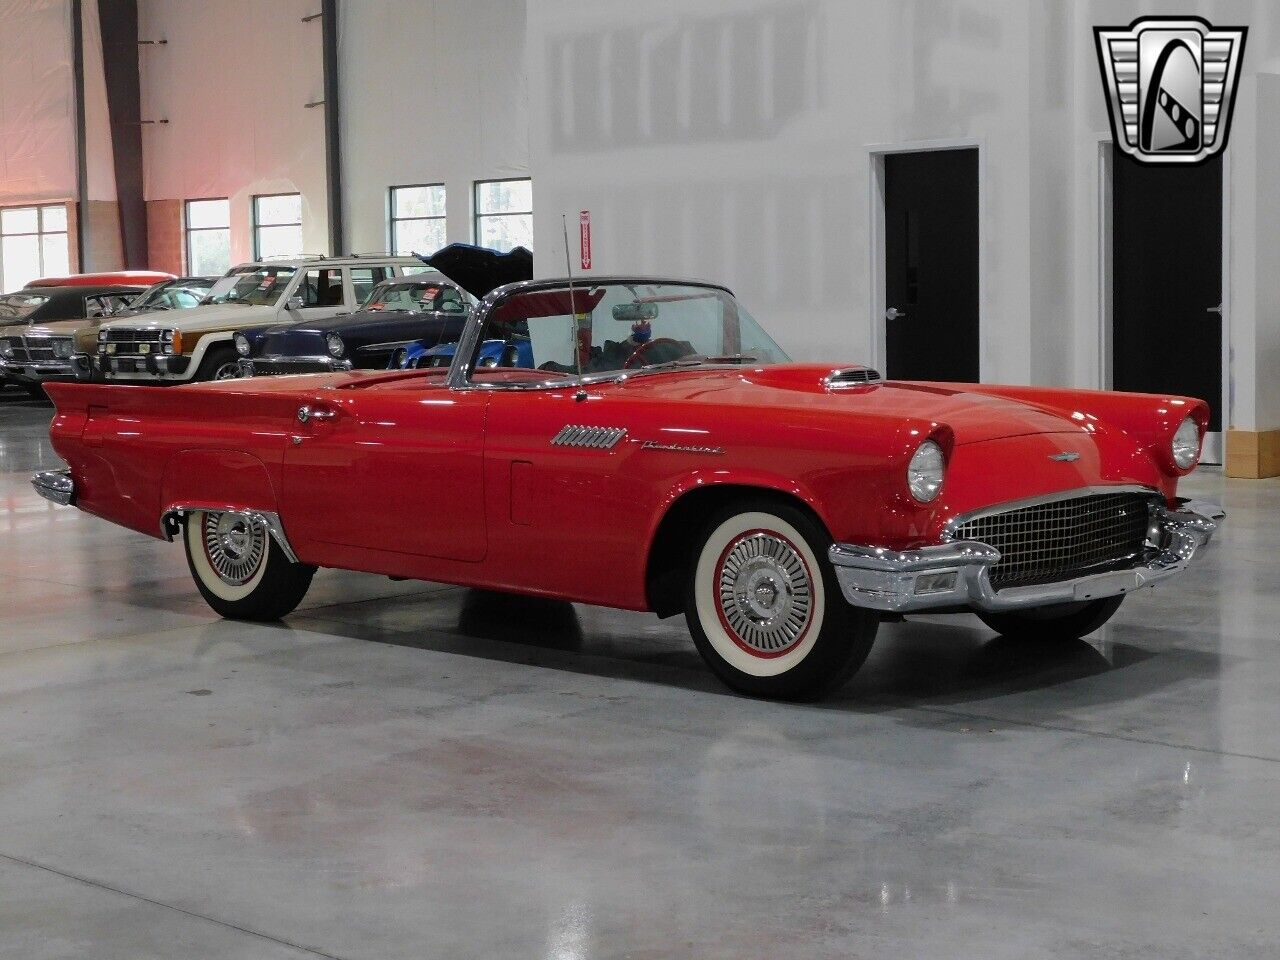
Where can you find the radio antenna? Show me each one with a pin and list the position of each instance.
(573, 310)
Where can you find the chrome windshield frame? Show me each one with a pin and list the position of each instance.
(462, 367)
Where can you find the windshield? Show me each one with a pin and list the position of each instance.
(418, 296)
(261, 287)
(172, 295)
(622, 327)
(14, 306)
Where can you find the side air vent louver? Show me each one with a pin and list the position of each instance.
(596, 438)
(850, 377)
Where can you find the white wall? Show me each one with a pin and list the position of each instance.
(37, 102)
(432, 92)
(730, 139)
(232, 82)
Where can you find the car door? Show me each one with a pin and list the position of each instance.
(394, 470)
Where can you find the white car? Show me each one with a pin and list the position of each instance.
(196, 344)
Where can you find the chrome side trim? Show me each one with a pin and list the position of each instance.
(56, 486)
(171, 525)
(596, 438)
(880, 579)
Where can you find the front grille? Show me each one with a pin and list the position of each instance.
(31, 349)
(1062, 539)
(268, 366)
(127, 341)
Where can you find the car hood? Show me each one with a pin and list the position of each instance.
(53, 328)
(215, 316)
(479, 270)
(343, 321)
(799, 388)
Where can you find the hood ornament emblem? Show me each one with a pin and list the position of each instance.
(1067, 456)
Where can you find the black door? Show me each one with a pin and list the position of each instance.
(1167, 287)
(931, 265)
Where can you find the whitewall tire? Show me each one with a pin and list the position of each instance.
(239, 568)
(766, 612)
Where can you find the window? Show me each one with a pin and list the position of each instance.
(321, 288)
(208, 225)
(417, 219)
(363, 280)
(277, 225)
(504, 214)
(33, 244)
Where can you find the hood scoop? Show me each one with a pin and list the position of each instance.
(847, 377)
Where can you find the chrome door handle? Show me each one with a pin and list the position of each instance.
(305, 413)
(893, 313)
(1217, 309)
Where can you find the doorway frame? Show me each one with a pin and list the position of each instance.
(1105, 379)
(877, 344)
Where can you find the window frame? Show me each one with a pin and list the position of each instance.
(477, 216)
(40, 232)
(253, 212)
(188, 230)
(392, 219)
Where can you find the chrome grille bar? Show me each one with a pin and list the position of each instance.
(1060, 539)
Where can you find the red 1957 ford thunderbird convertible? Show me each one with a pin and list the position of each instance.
(644, 444)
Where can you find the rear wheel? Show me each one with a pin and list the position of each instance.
(239, 568)
(765, 612)
(1062, 622)
(220, 363)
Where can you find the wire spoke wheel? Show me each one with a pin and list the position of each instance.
(227, 371)
(235, 545)
(765, 593)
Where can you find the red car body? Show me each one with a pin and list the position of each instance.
(412, 479)
(141, 278)
(607, 487)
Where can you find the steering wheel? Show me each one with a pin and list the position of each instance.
(640, 351)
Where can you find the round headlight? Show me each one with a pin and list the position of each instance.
(1186, 444)
(242, 344)
(335, 345)
(102, 334)
(6, 348)
(925, 472)
(62, 349)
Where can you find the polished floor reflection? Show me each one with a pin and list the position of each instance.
(404, 770)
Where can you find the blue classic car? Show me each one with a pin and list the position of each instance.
(424, 308)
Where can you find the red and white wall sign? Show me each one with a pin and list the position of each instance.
(584, 237)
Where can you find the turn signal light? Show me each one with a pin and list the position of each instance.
(177, 341)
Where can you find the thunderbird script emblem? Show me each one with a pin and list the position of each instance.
(1170, 85)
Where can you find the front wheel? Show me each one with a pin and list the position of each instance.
(239, 568)
(220, 363)
(1055, 624)
(765, 613)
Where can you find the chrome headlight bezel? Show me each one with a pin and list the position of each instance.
(334, 344)
(102, 334)
(6, 349)
(242, 344)
(926, 472)
(1184, 445)
(63, 347)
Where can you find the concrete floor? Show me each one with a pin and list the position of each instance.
(407, 770)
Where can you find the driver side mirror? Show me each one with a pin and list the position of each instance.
(294, 303)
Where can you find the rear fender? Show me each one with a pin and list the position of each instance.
(215, 480)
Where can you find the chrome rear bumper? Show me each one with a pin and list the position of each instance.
(952, 575)
(56, 485)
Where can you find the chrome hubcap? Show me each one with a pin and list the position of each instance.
(766, 596)
(228, 371)
(235, 544)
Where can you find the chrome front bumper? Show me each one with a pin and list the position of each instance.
(277, 365)
(957, 575)
(76, 367)
(56, 485)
